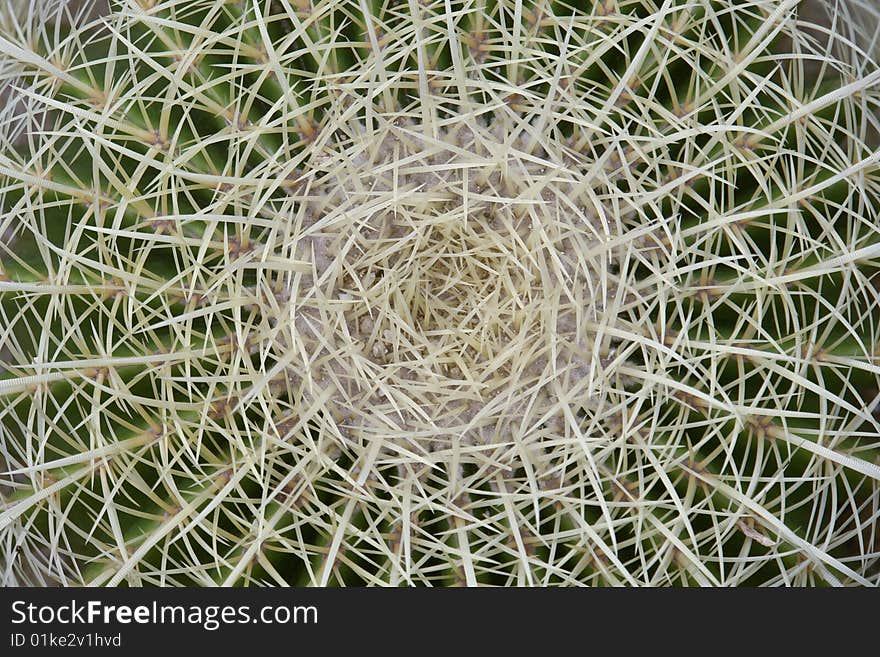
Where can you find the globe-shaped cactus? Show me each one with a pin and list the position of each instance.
(435, 292)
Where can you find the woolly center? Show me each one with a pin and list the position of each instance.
(455, 279)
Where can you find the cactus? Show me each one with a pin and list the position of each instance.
(439, 292)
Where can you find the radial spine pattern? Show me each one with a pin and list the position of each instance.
(435, 292)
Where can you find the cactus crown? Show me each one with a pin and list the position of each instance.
(436, 292)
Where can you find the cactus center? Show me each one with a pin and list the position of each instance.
(457, 275)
